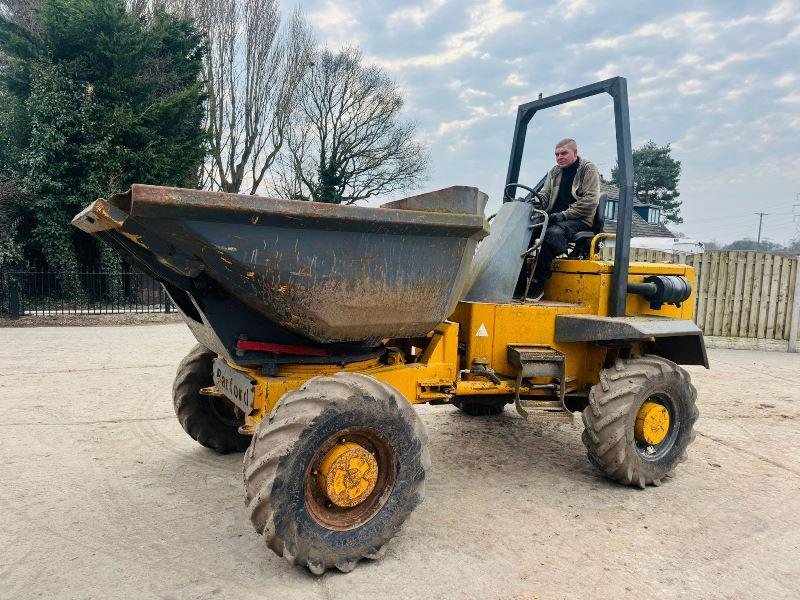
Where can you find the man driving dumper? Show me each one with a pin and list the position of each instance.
(571, 194)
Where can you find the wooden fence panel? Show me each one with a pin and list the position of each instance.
(794, 273)
(755, 307)
(763, 304)
(713, 280)
(702, 289)
(783, 298)
(772, 309)
(747, 294)
(727, 300)
(719, 300)
(736, 306)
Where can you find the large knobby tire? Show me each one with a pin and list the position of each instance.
(285, 448)
(610, 419)
(210, 421)
(486, 406)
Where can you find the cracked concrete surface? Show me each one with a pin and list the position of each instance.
(102, 495)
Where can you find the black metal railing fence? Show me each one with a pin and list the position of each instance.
(79, 293)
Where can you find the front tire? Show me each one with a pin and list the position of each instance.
(625, 392)
(284, 460)
(211, 421)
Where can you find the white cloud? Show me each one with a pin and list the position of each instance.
(414, 15)
(645, 95)
(569, 9)
(732, 58)
(337, 22)
(664, 74)
(608, 70)
(567, 109)
(779, 13)
(782, 11)
(448, 127)
(734, 94)
(485, 20)
(790, 99)
(690, 59)
(482, 111)
(459, 143)
(515, 80)
(467, 93)
(695, 25)
(786, 80)
(691, 87)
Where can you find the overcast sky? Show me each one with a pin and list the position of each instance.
(720, 81)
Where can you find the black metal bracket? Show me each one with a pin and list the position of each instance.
(617, 88)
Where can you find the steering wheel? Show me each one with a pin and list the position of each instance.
(531, 197)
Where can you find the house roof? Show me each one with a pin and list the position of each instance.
(641, 228)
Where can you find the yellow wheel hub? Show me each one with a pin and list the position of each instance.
(652, 423)
(347, 474)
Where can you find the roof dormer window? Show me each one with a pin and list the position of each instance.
(611, 210)
(649, 212)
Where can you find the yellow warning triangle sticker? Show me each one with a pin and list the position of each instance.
(482, 331)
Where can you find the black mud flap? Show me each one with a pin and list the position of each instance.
(678, 340)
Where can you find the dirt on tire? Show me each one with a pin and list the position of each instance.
(610, 417)
(282, 450)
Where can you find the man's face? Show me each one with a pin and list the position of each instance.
(565, 156)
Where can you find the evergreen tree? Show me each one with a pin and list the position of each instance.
(98, 99)
(655, 179)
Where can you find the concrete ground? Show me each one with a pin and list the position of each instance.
(102, 495)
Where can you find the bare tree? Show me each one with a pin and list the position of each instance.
(347, 141)
(252, 70)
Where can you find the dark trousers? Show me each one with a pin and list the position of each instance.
(555, 243)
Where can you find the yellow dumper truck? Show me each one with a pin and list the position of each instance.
(320, 326)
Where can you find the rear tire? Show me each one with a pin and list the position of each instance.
(610, 419)
(210, 421)
(280, 464)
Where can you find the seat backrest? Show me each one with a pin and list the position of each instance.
(599, 216)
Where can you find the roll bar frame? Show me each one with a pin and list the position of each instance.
(617, 88)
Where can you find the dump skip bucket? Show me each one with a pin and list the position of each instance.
(322, 272)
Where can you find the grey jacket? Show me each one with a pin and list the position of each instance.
(585, 191)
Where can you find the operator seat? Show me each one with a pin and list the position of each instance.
(580, 246)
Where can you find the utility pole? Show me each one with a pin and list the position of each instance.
(761, 216)
(796, 217)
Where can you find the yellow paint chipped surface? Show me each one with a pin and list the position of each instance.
(136, 239)
(101, 209)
